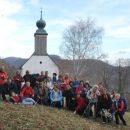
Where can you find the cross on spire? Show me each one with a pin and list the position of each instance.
(41, 13)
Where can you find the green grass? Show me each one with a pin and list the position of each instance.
(127, 117)
(18, 117)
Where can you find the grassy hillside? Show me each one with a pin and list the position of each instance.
(18, 117)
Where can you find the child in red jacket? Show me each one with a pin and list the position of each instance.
(15, 99)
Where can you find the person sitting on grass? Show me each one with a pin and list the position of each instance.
(15, 99)
(27, 94)
(56, 96)
(119, 109)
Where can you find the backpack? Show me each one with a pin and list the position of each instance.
(125, 102)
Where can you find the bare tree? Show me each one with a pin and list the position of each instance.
(80, 42)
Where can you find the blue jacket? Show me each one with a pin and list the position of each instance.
(76, 83)
(52, 96)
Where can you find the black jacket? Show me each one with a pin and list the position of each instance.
(105, 101)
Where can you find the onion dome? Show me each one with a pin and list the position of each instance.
(41, 25)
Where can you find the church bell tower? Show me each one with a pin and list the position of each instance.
(40, 38)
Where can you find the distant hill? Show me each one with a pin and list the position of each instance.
(15, 61)
(3, 63)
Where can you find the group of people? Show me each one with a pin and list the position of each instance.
(63, 92)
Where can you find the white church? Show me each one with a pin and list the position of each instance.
(40, 60)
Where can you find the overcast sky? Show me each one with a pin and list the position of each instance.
(18, 24)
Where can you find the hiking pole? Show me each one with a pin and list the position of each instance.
(37, 101)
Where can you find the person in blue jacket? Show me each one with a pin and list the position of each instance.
(56, 96)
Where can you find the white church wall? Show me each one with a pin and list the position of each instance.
(36, 64)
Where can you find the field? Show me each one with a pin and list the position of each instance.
(18, 117)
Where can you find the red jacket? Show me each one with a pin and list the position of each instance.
(3, 78)
(81, 103)
(17, 78)
(79, 89)
(63, 87)
(67, 80)
(27, 91)
(119, 105)
(16, 98)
